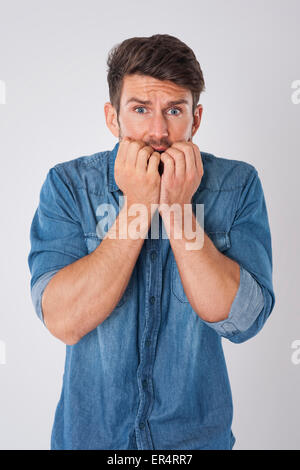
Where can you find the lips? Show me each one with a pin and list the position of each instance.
(159, 149)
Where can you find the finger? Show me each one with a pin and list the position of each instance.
(188, 150)
(122, 151)
(198, 160)
(153, 163)
(180, 161)
(169, 165)
(142, 158)
(132, 152)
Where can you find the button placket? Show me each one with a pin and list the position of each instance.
(145, 384)
(144, 440)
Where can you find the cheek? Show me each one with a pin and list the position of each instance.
(184, 124)
(131, 125)
(182, 131)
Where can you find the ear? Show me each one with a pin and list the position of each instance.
(111, 119)
(197, 118)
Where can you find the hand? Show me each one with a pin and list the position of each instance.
(136, 172)
(183, 171)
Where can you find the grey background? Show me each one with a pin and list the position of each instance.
(53, 61)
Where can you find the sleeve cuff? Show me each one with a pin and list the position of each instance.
(246, 306)
(37, 292)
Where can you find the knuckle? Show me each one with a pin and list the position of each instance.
(140, 143)
(134, 145)
(150, 177)
(125, 142)
(189, 177)
(139, 173)
(127, 171)
(144, 150)
(155, 156)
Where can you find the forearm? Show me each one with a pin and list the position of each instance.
(83, 294)
(209, 278)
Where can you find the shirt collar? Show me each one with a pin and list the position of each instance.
(112, 185)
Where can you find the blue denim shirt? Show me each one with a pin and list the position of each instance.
(152, 375)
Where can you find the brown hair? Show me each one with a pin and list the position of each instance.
(160, 56)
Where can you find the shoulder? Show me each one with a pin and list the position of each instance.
(81, 172)
(225, 174)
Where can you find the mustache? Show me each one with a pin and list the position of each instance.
(164, 145)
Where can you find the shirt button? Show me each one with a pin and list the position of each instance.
(145, 383)
(142, 425)
(152, 299)
(148, 342)
(153, 255)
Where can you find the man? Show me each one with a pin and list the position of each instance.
(143, 317)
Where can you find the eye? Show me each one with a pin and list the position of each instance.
(176, 109)
(139, 107)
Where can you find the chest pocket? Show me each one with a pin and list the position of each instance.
(221, 241)
(92, 242)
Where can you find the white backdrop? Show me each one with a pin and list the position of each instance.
(53, 88)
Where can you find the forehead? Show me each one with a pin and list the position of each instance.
(145, 87)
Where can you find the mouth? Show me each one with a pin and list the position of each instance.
(159, 149)
(161, 168)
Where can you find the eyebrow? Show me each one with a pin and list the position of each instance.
(170, 103)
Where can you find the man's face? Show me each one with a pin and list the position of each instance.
(157, 112)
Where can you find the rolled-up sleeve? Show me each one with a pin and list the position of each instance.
(38, 290)
(56, 235)
(251, 248)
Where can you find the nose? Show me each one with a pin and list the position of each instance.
(158, 127)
